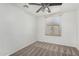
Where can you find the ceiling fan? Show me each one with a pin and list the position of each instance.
(44, 6)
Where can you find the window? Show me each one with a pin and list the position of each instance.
(53, 26)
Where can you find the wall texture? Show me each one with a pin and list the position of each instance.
(17, 29)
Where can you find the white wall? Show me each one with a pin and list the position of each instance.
(77, 29)
(68, 30)
(17, 29)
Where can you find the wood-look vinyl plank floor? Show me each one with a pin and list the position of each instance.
(46, 49)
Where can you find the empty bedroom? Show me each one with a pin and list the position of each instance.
(39, 29)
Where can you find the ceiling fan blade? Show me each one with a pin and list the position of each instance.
(39, 9)
(34, 4)
(55, 4)
(49, 10)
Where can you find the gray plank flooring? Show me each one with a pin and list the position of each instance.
(46, 49)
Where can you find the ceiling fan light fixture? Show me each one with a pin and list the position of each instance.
(25, 5)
